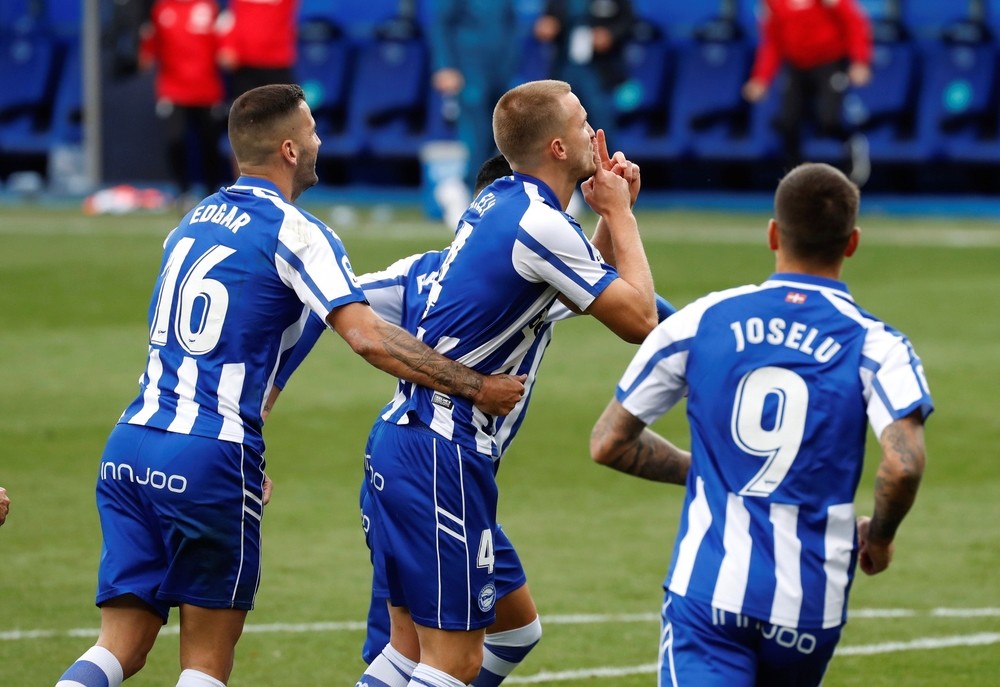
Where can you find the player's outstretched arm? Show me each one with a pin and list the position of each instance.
(622, 441)
(394, 350)
(896, 484)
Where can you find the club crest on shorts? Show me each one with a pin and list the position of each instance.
(487, 597)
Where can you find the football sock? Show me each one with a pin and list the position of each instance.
(98, 667)
(389, 669)
(196, 678)
(425, 676)
(504, 651)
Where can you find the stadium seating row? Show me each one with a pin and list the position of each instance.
(928, 99)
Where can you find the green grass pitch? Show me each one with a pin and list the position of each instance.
(73, 298)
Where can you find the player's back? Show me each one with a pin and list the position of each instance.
(224, 306)
(780, 378)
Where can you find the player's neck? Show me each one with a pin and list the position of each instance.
(284, 185)
(785, 265)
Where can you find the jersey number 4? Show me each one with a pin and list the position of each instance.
(769, 420)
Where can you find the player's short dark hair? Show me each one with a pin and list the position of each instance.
(816, 208)
(253, 115)
(527, 118)
(491, 170)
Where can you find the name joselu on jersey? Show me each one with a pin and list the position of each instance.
(777, 332)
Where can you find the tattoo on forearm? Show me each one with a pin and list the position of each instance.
(897, 480)
(420, 358)
(650, 457)
(635, 450)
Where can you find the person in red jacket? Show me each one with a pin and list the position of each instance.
(258, 43)
(825, 46)
(180, 40)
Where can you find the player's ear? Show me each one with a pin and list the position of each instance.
(289, 152)
(558, 149)
(772, 234)
(852, 242)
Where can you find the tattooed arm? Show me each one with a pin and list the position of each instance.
(896, 483)
(621, 441)
(393, 350)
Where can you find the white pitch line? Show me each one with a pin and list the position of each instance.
(981, 639)
(574, 619)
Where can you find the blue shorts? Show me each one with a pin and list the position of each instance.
(432, 526)
(180, 516)
(703, 646)
(508, 571)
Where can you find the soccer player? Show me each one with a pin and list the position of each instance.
(4, 505)
(825, 46)
(781, 379)
(399, 295)
(431, 467)
(181, 483)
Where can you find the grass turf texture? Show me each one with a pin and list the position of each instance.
(73, 297)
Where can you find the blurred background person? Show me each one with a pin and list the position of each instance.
(258, 43)
(590, 37)
(825, 46)
(475, 47)
(179, 40)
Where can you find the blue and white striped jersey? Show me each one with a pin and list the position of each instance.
(782, 378)
(513, 253)
(239, 276)
(398, 294)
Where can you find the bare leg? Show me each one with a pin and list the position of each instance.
(208, 639)
(458, 653)
(514, 610)
(128, 630)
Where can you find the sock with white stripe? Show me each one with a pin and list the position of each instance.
(389, 669)
(196, 678)
(504, 651)
(98, 667)
(425, 676)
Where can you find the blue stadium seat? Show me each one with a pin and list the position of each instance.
(323, 69)
(643, 115)
(357, 17)
(388, 102)
(927, 18)
(679, 20)
(27, 64)
(67, 108)
(961, 100)
(958, 97)
(709, 112)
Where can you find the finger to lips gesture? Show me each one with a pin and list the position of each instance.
(617, 164)
(608, 188)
